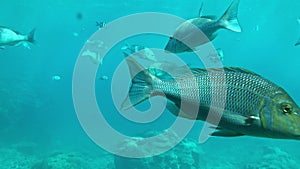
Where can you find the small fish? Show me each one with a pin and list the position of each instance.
(79, 16)
(298, 42)
(75, 34)
(209, 25)
(140, 51)
(9, 37)
(94, 56)
(253, 106)
(56, 78)
(103, 77)
(217, 55)
(100, 24)
(257, 28)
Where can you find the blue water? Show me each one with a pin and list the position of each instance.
(39, 128)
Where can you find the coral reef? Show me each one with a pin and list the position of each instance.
(27, 155)
(26, 148)
(74, 160)
(186, 154)
(15, 99)
(224, 165)
(12, 159)
(274, 158)
(61, 160)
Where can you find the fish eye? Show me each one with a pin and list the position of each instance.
(286, 108)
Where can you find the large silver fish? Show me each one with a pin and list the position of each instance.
(209, 25)
(9, 37)
(253, 106)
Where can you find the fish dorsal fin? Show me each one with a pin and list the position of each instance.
(241, 70)
(200, 15)
(226, 69)
(200, 10)
(185, 72)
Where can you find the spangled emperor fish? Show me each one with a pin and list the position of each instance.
(209, 25)
(253, 106)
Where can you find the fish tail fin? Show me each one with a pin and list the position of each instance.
(229, 19)
(30, 36)
(141, 84)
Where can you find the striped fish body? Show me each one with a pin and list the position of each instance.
(238, 94)
(247, 103)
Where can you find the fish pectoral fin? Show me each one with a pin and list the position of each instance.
(215, 127)
(240, 120)
(251, 119)
(226, 133)
(175, 109)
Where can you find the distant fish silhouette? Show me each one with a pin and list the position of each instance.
(209, 25)
(9, 37)
(104, 77)
(100, 24)
(298, 42)
(56, 77)
(140, 51)
(79, 15)
(217, 55)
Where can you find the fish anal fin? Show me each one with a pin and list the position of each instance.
(175, 109)
(226, 133)
(215, 127)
